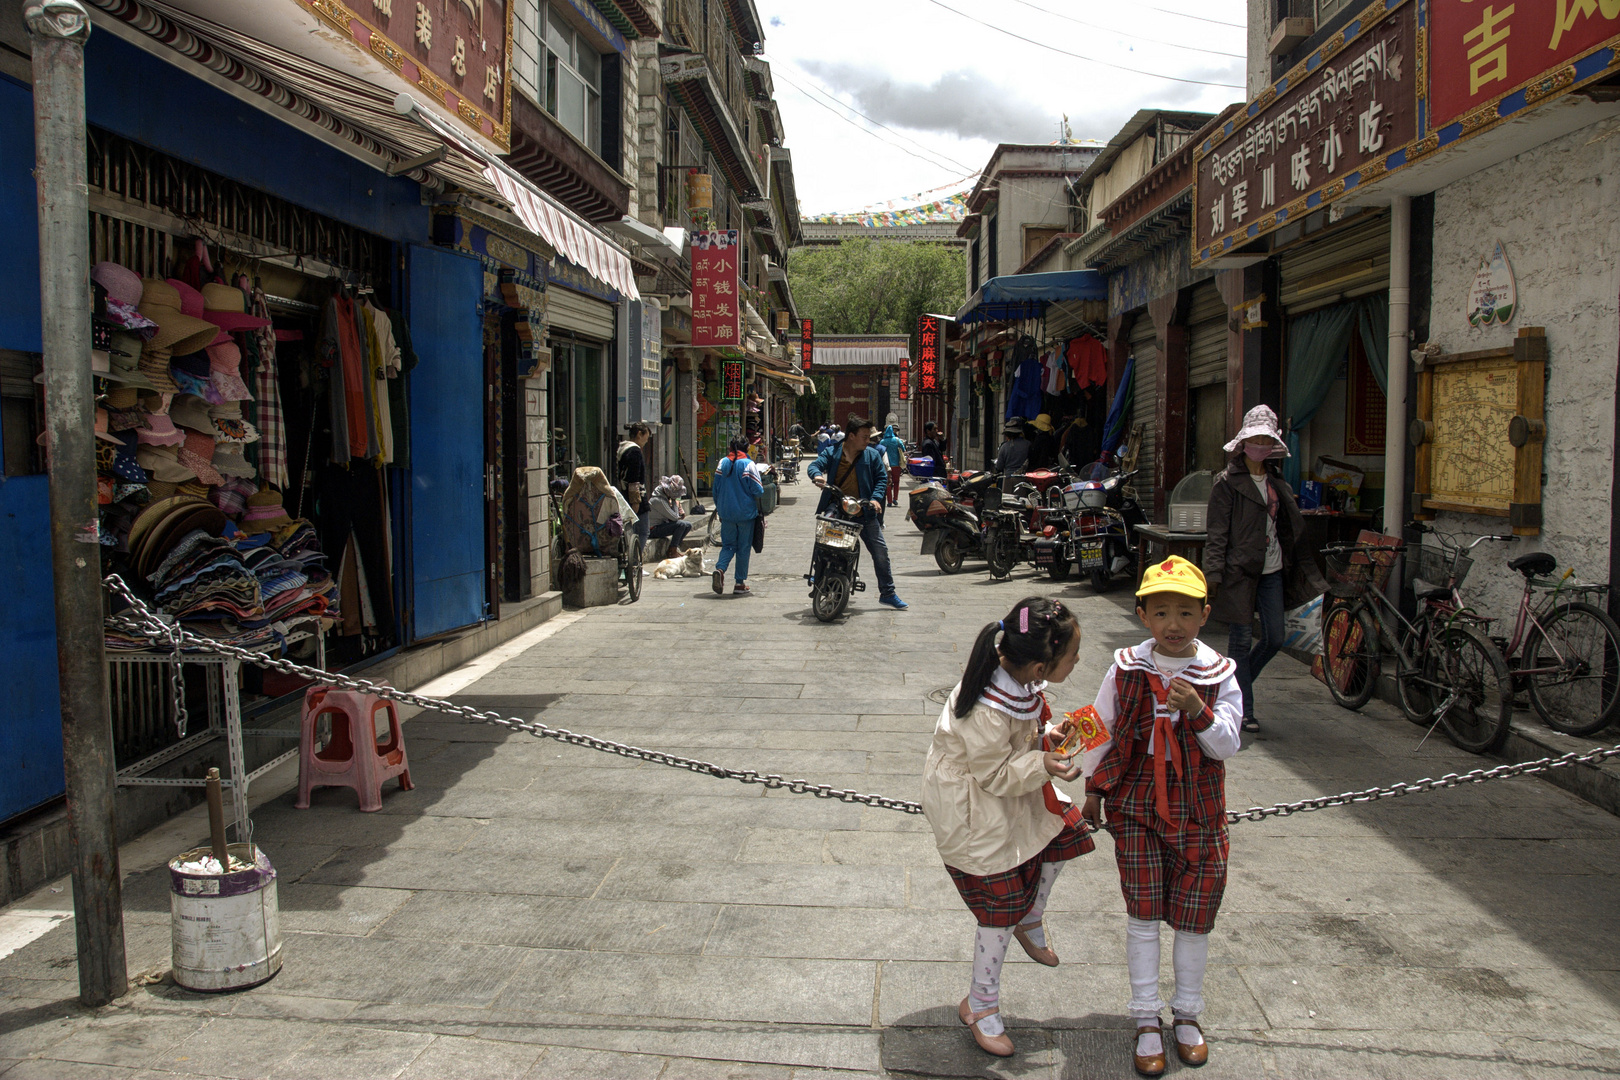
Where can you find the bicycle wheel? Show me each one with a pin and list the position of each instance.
(1476, 681)
(712, 536)
(1582, 645)
(1415, 673)
(1350, 654)
(632, 566)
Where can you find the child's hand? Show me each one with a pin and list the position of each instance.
(1061, 767)
(1182, 696)
(1091, 811)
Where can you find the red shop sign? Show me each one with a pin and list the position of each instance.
(716, 306)
(807, 341)
(928, 353)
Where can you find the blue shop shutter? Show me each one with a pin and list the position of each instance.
(447, 441)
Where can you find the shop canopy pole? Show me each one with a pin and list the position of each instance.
(1399, 366)
(59, 29)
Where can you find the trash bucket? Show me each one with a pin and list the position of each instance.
(226, 925)
(767, 501)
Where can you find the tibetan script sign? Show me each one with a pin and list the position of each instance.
(1313, 134)
(716, 307)
(928, 354)
(1482, 52)
(807, 340)
(731, 380)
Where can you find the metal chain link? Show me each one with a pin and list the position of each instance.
(142, 621)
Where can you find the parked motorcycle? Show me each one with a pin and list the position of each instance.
(945, 513)
(787, 461)
(1103, 531)
(835, 562)
(1014, 528)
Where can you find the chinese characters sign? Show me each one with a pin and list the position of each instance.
(905, 382)
(731, 380)
(807, 340)
(928, 354)
(716, 307)
(1483, 51)
(458, 54)
(1299, 149)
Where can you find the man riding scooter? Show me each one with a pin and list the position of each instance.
(853, 468)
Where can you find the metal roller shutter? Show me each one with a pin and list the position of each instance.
(568, 310)
(1145, 379)
(1206, 337)
(1349, 262)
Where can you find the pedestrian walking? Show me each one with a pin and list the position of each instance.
(737, 488)
(850, 466)
(895, 453)
(667, 515)
(1013, 456)
(1001, 828)
(1171, 709)
(1253, 559)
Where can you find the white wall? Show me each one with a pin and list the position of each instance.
(1556, 209)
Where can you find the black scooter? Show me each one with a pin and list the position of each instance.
(949, 514)
(835, 562)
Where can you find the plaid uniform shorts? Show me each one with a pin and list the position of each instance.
(1002, 899)
(1177, 877)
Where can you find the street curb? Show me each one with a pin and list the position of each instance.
(1529, 739)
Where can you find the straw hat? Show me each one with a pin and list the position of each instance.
(121, 283)
(226, 307)
(264, 513)
(163, 463)
(1043, 422)
(154, 364)
(178, 329)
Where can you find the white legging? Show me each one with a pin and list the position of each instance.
(990, 946)
(1189, 955)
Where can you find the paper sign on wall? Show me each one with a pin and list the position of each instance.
(1494, 296)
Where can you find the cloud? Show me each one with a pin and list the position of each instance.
(776, 20)
(959, 103)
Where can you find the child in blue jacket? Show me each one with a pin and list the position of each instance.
(737, 488)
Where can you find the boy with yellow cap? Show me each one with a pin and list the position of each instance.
(1172, 709)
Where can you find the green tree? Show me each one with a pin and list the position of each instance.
(872, 287)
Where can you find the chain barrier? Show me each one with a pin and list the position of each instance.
(144, 622)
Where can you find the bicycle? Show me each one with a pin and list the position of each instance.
(1564, 650)
(1443, 653)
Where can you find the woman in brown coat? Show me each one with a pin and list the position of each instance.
(1252, 560)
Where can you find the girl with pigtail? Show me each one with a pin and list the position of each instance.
(1002, 829)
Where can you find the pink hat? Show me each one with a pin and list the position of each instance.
(159, 429)
(226, 307)
(101, 428)
(225, 360)
(122, 284)
(198, 455)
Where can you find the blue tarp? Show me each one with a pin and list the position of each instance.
(1025, 296)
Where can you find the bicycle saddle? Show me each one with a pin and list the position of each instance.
(1424, 591)
(1535, 564)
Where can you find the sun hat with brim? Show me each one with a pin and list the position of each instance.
(178, 331)
(225, 360)
(122, 397)
(1043, 422)
(102, 432)
(191, 515)
(160, 489)
(1259, 421)
(264, 513)
(229, 426)
(228, 461)
(1015, 424)
(155, 511)
(226, 307)
(198, 455)
(192, 412)
(154, 364)
(124, 361)
(122, 284)
(125, 466)
(163, 462)
(160, 429)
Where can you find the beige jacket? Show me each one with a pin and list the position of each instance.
(982, 791)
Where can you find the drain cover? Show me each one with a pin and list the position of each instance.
(938, 696)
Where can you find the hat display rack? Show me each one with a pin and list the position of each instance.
(186, 516)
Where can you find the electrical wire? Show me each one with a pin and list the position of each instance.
(828, 94)
(1126, 33)
(1200, 18)
(1078, 56)
(887, 142)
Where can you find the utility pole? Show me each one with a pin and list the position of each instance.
(59, 29)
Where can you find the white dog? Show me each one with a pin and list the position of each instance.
(687, 564)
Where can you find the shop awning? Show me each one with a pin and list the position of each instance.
(1025, 296)
(877, 350)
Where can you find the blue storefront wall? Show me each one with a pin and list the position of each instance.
(137, 95)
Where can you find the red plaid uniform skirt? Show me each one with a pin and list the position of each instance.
(1177, 876)
(1002, 899)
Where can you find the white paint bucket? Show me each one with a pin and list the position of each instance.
(227, 927)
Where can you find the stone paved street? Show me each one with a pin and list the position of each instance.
(533, 909)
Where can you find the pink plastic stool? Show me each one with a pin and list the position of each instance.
(352, 757)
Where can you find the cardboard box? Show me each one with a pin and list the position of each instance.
(1337, 474)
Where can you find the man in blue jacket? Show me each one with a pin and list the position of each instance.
(854, 468)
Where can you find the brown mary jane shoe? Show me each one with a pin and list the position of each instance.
(1191, 1055)
(1152, 1064)
(999, 1045)
(1038, 953)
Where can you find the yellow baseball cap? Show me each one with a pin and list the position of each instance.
(1175, 574)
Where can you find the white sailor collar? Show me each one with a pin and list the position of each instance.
(1209, 668)
(1023, 701)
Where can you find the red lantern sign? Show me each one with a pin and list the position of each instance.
(928, 354)
(807, 340)
(716, 305)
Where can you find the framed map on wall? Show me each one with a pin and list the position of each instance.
(1479, 432)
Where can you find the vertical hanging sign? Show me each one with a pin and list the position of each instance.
(905, 380)
(807, 340)
(731, 380)
(716, 310)
(928, 352)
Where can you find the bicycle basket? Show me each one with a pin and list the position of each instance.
(1351, 573)
(1437, 566)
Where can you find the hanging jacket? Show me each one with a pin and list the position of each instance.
(1025, 399)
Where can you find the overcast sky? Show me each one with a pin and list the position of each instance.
(951, 89)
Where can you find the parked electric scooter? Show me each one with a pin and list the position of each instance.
(945, 513)
(1104, 529)
(835, 562)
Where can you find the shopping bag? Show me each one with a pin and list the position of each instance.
(1302, 627)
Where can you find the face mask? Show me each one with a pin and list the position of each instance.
(1256, 453)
